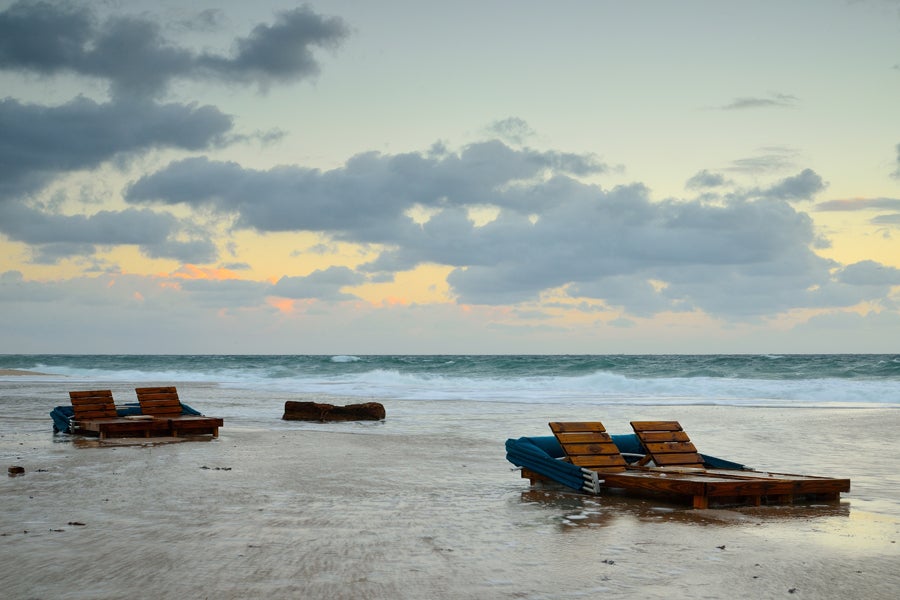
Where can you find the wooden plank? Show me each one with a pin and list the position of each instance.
(583, 438)
(669, 447)
(599, 448)
(681, 459)
(599, 464)
(664, 436)
(656, 426)
(577, 426)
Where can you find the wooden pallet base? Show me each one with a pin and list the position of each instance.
(156, 427)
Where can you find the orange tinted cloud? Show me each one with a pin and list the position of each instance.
(194, 272)
(394, 301)
(284, 305)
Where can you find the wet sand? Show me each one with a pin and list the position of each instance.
(20, 373)
(342, 512)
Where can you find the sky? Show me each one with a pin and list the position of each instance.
(406, 177)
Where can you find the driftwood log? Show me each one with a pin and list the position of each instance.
(314, 411)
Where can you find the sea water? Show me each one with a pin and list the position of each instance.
(816, 380)
(475, 391)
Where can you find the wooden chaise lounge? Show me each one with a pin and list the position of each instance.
(163, 404)
(94, 413)
(588, 445)
(667, 444)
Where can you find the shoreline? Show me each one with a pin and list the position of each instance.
(20, 372)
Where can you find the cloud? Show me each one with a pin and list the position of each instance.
(867, 204)
(775, 158)
(513, 130)
(856, 204)
(869, 272)
(133, 54)
(210, 19)
(40, 142)
(366, 200)
(746, 254)
(896, 173)
(887, 219)
(57, 236)
(322, 284)
(705, 179)
(281, 52)
(802, 186)
(772, 100)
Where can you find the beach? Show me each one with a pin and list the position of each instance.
(427, 506)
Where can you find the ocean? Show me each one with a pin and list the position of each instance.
(739, 380)
(424, 503)
(481, 392)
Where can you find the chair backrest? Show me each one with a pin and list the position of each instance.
(159, 401)
(588, 445)
(93, 404)
(667, 444)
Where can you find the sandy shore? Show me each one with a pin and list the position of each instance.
(333, 514)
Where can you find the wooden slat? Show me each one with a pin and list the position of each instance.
(664, 436)
(681, 460)
(578, 426)
(656, 426)
(669, 447)
(599, 448)
(589, 437)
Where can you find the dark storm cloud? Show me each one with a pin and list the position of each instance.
(134, 55)
(39, 142)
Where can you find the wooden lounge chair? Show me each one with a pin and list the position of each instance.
(590, 447)
(163, 404)
(94, 413)
(587, 445)
(667, 444)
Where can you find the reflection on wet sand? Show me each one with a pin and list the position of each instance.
(580, 510)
